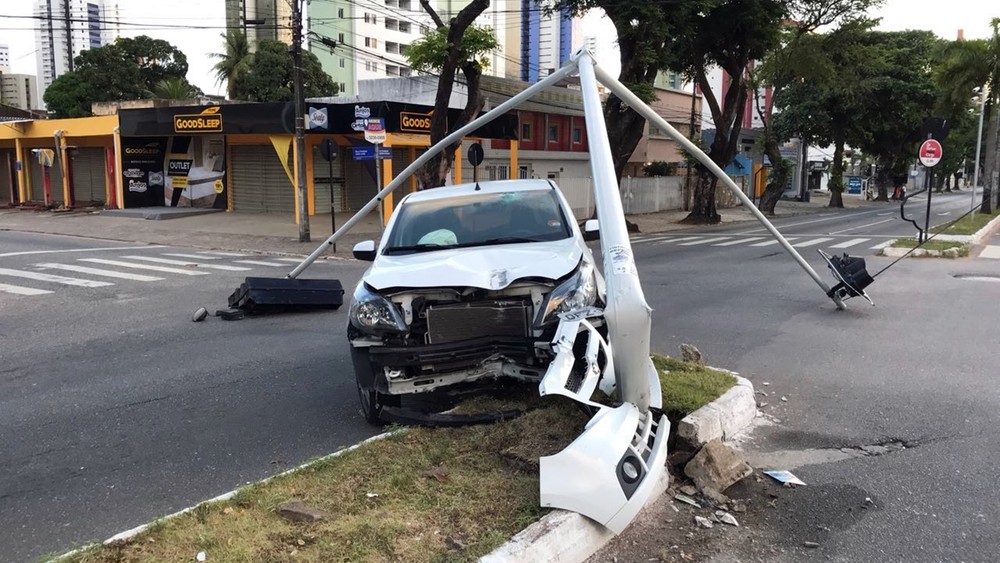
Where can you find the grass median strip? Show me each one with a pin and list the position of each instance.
(933, 244)
(418, 495)
(967, 225)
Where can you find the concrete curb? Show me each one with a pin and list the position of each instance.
(723, 418)
(129, 534)
(563, 536)
(922, 252)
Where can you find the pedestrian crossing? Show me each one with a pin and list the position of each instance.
(44, 278)
(729, 241)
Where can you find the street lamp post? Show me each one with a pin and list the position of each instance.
(300, 129)
(979, 144)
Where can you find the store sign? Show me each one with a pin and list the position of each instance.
(318, 118)
(179, 167)
(208, 121)
(415, 122)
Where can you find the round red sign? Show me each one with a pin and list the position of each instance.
(930, 152)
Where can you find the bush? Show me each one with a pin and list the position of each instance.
(660, 168)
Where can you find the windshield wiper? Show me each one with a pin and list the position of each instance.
(500, 240)
(419, 247)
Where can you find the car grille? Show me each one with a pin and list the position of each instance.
(451, 323)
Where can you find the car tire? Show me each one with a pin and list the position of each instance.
(364, 375)
(371, 408)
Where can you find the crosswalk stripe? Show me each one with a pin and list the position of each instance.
(144, 267)
(184, 263)
(18, 290)
(812, 242)
(640, 240)
(991, 251)
(704, 241)
(738, 241)
(236, 254)
(195, 256)
(851, 242)
(261, 263)
(296, 260)
(775, 241)
(52, 278)
(672, 239)
(99, 272)
(881, 245)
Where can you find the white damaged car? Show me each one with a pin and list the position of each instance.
(466, 288)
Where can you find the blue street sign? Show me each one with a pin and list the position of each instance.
(364, 153)
(854, 185)
(384, 153)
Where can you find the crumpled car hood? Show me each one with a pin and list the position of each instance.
(486, 267)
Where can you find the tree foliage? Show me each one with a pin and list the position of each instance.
(269, 75)
(233, 62)
(128, 69)
(430, 53)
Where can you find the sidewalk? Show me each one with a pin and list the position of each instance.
(277, 234)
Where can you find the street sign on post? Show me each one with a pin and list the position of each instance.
(930, 153)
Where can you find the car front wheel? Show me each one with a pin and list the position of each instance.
(364, 374)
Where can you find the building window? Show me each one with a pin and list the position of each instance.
(391, 70)
(525, 131)
(392, 48)
(391, 3)
(371, 18)
(577, 135)
(404, 27)
(341, 63)
(340, 13)
(404, 4)
(405, 71)
(371, 42)
(340, 38)
(392, 24)
(553, 133)
(343, 87)
(522, 172)
(498, 172)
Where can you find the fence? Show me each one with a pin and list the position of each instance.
(645, 195)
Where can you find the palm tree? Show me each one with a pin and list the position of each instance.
(234, 63)
(963, 66)
(174, 89)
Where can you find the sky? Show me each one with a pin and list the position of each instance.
(168, 20)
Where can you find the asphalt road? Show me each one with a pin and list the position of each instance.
(918, 368)
(116, 408)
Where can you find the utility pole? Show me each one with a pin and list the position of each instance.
(300, 125)
(69, 37)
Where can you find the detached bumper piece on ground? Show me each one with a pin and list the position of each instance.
(263, 295)
(852, 277)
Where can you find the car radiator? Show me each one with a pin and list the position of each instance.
(455, 322)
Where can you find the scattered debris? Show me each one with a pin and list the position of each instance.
(716, 497)
(200, 315)
(703, 522)
(766, 384)
(810, 544)
(455, 543)
(691, 354)
(371, 495)
(716, 467)
(230, 314)
(228, 510)
(687, 500)
(727, 518)
(762, 404)
(764, 393)
(689, 490)
(294, 511)
(678, 458)
(869, 503)
(739, 507)
(440, 473)
(201, 556)
(784, 399)
(784, 477)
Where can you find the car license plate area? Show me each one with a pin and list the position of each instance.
(451, 323)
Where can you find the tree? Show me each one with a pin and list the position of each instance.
(268, 77)
(789, 63)
(234, 62)
(968, 64)
(175, 89)
(127, 69)
(457, 45)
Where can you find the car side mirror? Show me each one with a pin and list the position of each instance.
(365, 250)
(591, 230)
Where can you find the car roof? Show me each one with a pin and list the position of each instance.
(495, 186)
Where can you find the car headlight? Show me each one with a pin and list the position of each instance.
(578, 292)
(371, 313)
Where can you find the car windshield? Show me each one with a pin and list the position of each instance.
(478, 219)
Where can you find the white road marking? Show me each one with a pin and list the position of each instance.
(99, 272)
(738, 241)
(704, 241)
(863, 226)
(851, 242)
(237, 254)
(195, 256)
(26, 253)
(887, 213)
(665, 241)
(296, 260)
(812, 242)
(945, 213)
(144, 267)
(831, 218)
(775, 241)
(882, 245)
(650, 239)
(18, 290)
(52, 278)
(991, 251)
(185, 263)
(261, 263)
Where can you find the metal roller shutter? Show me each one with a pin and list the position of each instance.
(7, 181)
(259, 183)
(37, 185)
(321, 169)
(87, 168)
(360, 182)
(400, 160)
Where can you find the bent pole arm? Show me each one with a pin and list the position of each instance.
(639, 106)
(487, 117)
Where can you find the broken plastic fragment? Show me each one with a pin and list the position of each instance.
(784, 477)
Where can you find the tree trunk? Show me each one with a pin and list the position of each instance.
(991, 165)
(836, 183)
(703, 209)
(777, 177)
(884, 179)
(625, 129)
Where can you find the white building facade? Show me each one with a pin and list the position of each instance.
(65, 29)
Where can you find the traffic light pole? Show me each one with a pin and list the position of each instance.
(300, 126)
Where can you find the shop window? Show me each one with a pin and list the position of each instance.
(553, 133)
(525, 131)
(577, 135)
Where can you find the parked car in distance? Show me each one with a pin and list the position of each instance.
(466, 288)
